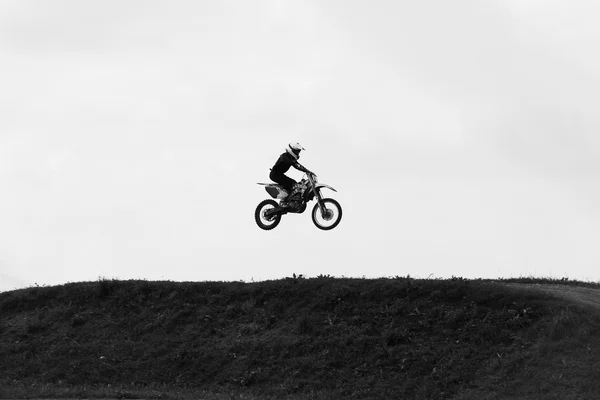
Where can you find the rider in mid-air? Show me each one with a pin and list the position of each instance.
(283, 164)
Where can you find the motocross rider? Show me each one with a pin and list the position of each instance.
(283, 164)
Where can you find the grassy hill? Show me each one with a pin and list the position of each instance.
(319, 338)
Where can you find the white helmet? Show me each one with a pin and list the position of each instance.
(294, 149)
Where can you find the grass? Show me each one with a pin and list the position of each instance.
(552, 281)
(297, 338)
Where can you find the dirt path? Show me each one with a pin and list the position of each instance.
(578, 294)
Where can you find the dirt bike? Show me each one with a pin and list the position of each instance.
(326, 214)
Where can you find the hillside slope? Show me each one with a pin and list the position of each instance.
(298, 338)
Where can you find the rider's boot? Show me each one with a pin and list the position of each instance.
(284, 202)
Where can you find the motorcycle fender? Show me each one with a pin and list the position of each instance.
(322, 185)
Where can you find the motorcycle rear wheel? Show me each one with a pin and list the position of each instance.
(264, 222)
(332, 216)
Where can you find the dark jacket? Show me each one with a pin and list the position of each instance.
(283, 164)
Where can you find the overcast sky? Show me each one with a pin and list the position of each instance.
(462, 137)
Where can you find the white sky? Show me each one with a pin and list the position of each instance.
(462, 138)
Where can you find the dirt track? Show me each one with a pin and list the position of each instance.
(578, 294)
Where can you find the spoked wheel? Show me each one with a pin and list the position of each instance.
(262, 217)
(330, 218)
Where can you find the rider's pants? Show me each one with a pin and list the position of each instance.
(285, 181)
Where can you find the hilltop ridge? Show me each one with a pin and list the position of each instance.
(297, 338)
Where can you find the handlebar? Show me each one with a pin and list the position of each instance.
(311, 176)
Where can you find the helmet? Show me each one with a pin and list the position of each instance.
(294, 149)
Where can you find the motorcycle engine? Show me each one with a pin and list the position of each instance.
(296, 202)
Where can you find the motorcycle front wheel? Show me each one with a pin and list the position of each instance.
(330, 218)
(262, 220)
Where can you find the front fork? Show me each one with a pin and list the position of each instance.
(320, 203)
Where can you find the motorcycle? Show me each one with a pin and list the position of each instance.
(326, 214)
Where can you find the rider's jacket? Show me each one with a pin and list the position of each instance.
(283, 164)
